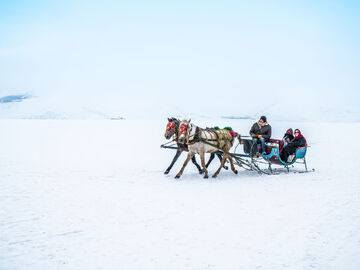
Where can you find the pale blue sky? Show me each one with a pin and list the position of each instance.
(204, 54)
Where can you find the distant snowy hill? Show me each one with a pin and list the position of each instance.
(27, 106)
(13, 98)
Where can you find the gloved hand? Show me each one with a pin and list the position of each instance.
(259, 136)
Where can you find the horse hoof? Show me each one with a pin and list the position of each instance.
(236, 172)
(206, 176)
(226, 167)
(177, 177)
(166, 172)
(214, 176)
(200, 172)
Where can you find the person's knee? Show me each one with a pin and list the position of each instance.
(262, 140)
(255, 140)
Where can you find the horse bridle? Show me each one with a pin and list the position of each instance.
(188, 128)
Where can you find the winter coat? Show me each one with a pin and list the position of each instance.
(295, 144)
(265, 131)
(287, 139)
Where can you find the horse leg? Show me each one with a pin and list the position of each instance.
(202, 157)
(190, 155)
(177, 155)
(193, 159)
(232, 165)
(212, 155)
(221, 165)
(220, 158)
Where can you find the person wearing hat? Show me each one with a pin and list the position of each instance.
(288, 137)
(290, 148)
(261, 132)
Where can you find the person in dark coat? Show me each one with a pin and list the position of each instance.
(288, 137)
(261, 132)
(298, 141)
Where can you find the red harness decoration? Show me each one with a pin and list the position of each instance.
(170, 126)
(182, 128)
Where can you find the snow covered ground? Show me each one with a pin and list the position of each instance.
(92, 195)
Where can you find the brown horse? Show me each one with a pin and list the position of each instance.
(171, 131)
(202, 141)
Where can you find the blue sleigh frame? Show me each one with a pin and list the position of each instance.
(274, 158)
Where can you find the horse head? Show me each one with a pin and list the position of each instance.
(183, 132)
(171, 127)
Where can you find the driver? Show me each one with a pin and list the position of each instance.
(261, 132)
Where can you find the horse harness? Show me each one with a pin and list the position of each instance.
(208, 131)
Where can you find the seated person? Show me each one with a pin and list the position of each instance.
(290, 148)
(261, 132)
(288, 137)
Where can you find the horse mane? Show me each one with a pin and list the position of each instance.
(175, 120)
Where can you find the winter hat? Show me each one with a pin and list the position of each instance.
(289, 131)
(263, 118)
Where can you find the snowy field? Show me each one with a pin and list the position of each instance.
(92, 195)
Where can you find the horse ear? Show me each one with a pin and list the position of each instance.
(189, 120)
(169, 119)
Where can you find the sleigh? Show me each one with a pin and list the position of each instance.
(272, 157)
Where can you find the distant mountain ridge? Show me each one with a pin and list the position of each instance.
(32, 106)
(14, 98)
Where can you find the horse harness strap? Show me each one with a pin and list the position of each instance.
(196, 137)
(213, 145)
(213, 131)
